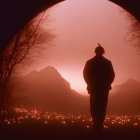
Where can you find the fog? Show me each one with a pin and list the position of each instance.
(48, 90)
(78, 26)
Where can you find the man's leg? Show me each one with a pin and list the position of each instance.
(101, 113)
(94, 109)
(98, 104)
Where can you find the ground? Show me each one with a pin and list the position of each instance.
(37, 125)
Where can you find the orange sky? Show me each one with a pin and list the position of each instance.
(78, 25)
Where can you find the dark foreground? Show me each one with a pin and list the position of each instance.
(35, 125)
(37, 132)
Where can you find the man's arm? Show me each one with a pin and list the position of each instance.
(112, 73)
(85, 73)
(87, 77)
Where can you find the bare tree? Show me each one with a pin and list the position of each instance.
(29, 38)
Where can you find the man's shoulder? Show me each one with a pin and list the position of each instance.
(107, 60)
(90, 60)
(98, 59)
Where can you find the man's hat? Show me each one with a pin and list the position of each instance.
(99, 49)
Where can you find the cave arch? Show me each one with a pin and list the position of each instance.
(15, 14)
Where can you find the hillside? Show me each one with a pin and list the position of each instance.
(125, 98)
(48, 90)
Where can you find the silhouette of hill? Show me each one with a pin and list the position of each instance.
(125, 98)
(48, 90)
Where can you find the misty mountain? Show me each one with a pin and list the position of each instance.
(125, 98)
(48, 90)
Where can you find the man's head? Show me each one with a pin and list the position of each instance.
(99, 50)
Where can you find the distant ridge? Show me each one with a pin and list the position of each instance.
(126, 99)
(48, 90)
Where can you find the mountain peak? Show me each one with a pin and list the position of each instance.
(49, 68)
(45, 72)
(132, 81)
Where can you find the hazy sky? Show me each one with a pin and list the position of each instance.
(78, 25)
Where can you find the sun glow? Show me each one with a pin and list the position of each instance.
(78, 25)
(76, 83)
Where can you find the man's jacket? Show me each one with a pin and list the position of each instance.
(98, 74)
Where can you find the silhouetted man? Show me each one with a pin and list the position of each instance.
(99, 75)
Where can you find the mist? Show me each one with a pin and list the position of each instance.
(77, 29)
(54, 80)
(47, 90)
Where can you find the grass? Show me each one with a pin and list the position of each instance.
(37, 125)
